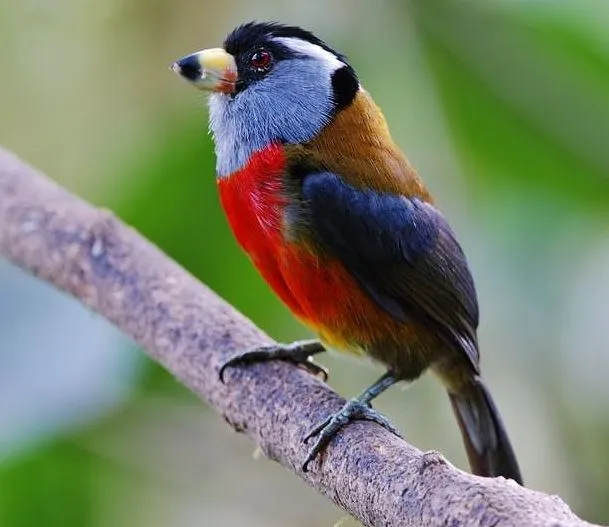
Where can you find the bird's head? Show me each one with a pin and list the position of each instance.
(269, 83)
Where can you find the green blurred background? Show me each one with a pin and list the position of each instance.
(503, 106)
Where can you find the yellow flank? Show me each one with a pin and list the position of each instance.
(333, 341)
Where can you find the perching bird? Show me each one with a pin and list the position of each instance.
(342, 228)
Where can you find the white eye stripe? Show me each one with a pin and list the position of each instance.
(312, 50)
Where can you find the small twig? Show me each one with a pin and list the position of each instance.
(370, 473)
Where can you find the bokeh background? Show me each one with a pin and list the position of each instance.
(502, 105)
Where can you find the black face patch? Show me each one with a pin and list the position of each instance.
(344, 87)
(247, 64)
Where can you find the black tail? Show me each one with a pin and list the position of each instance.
(488, 448)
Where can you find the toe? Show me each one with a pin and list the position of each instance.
(315, 369)
(321, 426)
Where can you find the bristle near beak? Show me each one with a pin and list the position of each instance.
(210, 69)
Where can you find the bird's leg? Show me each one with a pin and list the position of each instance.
(358, 408)
(299, 352)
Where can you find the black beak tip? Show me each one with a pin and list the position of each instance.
(188, 67)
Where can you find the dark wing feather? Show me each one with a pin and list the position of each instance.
(403, 254)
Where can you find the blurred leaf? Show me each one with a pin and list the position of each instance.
(531, 119)
(54, 485)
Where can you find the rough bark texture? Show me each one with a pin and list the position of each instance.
(376, 477)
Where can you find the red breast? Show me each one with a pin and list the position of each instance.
(253, 203)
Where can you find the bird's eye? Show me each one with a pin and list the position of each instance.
(261, 60)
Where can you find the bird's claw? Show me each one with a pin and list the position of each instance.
(315, 369)
(298, 352)
(353, 410)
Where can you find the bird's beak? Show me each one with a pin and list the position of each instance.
(211, 69)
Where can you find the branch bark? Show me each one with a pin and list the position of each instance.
(376, 477)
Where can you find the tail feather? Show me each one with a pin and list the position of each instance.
(488, 447)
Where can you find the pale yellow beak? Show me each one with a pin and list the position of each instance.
(211, 69)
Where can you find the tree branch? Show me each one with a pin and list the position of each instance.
(373, 475)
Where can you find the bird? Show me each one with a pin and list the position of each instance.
(343, 229)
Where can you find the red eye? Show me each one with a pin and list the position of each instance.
(261, 60)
